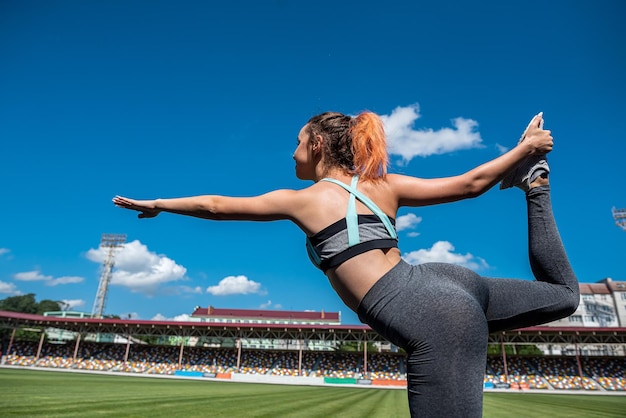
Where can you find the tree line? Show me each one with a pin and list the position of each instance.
(28, 304)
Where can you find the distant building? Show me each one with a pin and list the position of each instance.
(602, 305)
(262, 316)
(618, 290)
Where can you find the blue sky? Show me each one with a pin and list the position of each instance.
(164, 99)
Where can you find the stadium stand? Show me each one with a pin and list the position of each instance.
(533, 372)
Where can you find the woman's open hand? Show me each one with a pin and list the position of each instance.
(146, 207)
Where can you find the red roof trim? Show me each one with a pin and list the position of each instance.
(51, 320)
(265, 314)
(48, 320)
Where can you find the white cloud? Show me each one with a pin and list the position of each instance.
(408, 221)
(269, 305)
(188, 289)
(235, 285)
(35, 275)
(182, 290)
(73, 303)
(404, 140)
(501, 149)
(65, 280)
(31, 276)
(4, 251)
(442, 251)
(139, 269)
(9, 288)
(180, 318)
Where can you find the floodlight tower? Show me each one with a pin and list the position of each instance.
(619, 215)
(110, 243)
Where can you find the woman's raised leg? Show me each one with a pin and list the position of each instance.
(555, 293)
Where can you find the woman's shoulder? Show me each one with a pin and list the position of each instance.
(401, 181)
(395, 178)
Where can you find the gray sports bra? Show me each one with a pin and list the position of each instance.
(352, 235)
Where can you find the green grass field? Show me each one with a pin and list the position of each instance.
(31, 393)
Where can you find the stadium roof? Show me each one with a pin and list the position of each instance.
(595, 288)
(341, 333)
(616, 286)
(322, 316)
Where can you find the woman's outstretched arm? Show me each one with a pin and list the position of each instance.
(411, 191)
(276, 205)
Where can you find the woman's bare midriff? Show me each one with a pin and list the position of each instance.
(355, 277)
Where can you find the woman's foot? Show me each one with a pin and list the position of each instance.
(534, 166)
(525, 175)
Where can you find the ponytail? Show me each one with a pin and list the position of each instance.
(369, 146)
(356, 145)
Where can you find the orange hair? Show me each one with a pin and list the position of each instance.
(369, 146)
(356, 145)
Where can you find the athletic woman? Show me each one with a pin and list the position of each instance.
(441, 314)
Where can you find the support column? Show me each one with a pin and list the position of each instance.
(180, 354)
(364, 355)
(300, 357)
(11, 341)
(127, 351)
(506, 369)
(76, 348)
(238, 353)
(580, 367)
(43, 334)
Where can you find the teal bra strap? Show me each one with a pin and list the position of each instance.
(352, 220)
(367, 202)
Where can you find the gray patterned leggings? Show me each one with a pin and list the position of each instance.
(441, 314)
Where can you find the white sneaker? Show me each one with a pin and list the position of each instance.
(528, 170)
(525, 173)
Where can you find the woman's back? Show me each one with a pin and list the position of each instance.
(327, 209)
(326, 203)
